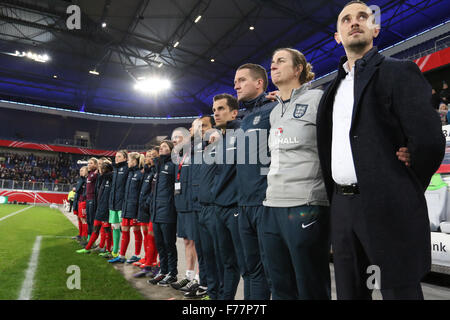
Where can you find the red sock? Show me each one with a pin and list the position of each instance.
(80, 227)
(84, 232)
(152, 253)
(102, 238)
(94, 236)
(109, 238)
(137, 242)
(124, 242)
(145, 240)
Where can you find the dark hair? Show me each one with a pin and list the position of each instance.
(257, 72)
(298, 59)
(156, 148)
(231, 101)
(169, 144)
(106, 166)
(211, 120)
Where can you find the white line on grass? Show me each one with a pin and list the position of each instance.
(27, 286)
(14, 213)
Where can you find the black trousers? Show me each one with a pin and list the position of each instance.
(90, 215)
(231, 252)
(250, 230)
(350, 242)
(71, 205)
(296, 240)
(165, 240)
(207, 221)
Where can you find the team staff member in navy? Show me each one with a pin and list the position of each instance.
(198, 286)
(164, 216)
(296, 218)
(250, 83)
(225, 108)
(207, 221)
(181, 139)
(375, 107)
(130, 204)
(120, 176)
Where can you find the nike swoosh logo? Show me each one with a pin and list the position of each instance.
(236, 214)
(306, 226)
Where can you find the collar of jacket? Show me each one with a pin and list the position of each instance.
(165, 158)
(258, 101)
(296, 93)
(107, 175)
(233, 124)
(121, 164)
(135, 168)
(360, 63)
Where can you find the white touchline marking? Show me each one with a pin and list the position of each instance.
(27, 286)
(14, 213)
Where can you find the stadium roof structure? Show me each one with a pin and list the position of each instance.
(166, 38)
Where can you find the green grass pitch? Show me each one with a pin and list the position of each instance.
(98, 279)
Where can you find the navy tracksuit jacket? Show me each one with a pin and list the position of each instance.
(130, 203)
(225, 193)
(252, 185)
(103, 192)
(164, 215)
(120, 175)
(145, 194)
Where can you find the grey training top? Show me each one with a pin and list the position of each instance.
(295, 176)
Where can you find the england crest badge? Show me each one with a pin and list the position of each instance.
(256, 120)
(300, 110)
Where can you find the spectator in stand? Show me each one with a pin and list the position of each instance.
(443, 111)
(435, 99)
(445, 93)
(71, 197)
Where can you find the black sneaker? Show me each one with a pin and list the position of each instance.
(180, 284)
(191, 286)
(201, 292)
(159, 277)
(167, 281)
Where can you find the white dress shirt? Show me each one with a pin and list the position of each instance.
(342, 166)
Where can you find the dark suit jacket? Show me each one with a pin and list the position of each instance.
(392, 109)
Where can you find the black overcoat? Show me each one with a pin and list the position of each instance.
(392, 109)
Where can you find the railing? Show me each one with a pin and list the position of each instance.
(73, 143)
(439, 44)
(137, 147)
(34, 186)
